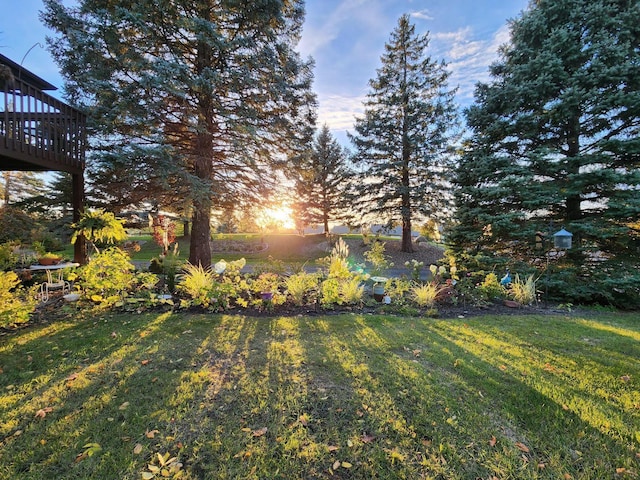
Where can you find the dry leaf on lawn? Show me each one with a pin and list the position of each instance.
(260, 432)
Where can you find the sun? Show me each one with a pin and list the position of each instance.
(279, 216)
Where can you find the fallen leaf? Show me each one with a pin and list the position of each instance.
(246, 429)
(493, 441)
(123, 406)
(346, 465)
(114, 334)
(349, 443)
(137, 449)
(260, 432)
(71, 377)
(43, 412)
(147, 475)
(332, 448)
(151, 433)
(625, 378)
(620, 470)
(542, 466)
(417, 352)
(503, 367)
(367, 438)
(145, 362)
(567, 476)
(336, 465)
(522, 447)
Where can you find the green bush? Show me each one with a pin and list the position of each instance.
(16, 302)
(301, 287)
(491, 289)
(108, 276)
(8, 258)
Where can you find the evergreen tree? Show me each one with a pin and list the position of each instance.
(556, 136)
(208, 94)
(403, 139)
(321, 182)
(16, 187)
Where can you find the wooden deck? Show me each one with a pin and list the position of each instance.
(37, 131)
(41, 133)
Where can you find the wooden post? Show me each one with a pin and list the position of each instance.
(79, 249)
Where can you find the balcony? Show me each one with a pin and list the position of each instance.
(37, 131)
(40, 133)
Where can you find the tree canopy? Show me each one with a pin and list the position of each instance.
(555, 136)
(208, 95)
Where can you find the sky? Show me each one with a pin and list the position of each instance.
(344, 37)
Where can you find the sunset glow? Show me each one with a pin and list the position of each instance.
(277, 216)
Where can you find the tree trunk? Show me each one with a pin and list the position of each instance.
(200, 246)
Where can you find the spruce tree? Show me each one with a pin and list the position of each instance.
(402, 144)
(321, 182)
(209, 94)
(556, 136)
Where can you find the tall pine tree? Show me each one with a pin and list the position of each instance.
(402, 142)
(209, 93)
(556, 136)
(321, 181)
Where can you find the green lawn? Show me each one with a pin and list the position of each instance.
(344, 396)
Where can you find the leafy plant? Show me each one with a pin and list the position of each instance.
(108, 276)
(523, 292)
(98, 227)
(376, 257)
(16, 302)
(300, 286)
(330, 292)
(425, 295)
(163, 466)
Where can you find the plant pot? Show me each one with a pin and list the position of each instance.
(49, 260)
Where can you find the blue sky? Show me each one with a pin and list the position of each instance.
(346, 39)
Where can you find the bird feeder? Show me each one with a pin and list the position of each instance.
(562, 239)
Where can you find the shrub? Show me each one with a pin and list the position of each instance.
(425, 295)
(8, 258)
(491, 288)
(196, 283)
(523, 292)
(108, 276)
(301, 286)
(376, 257)
(16, 303)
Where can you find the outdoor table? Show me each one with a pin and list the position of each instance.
(54, 283)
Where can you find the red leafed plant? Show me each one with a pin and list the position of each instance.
(164, 232)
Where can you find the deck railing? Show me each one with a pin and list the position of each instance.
(40, 130)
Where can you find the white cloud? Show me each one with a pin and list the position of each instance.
(469, 58)
(339, 111)
(422, 15)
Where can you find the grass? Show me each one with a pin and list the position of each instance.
(345, 396)
(285, 247)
